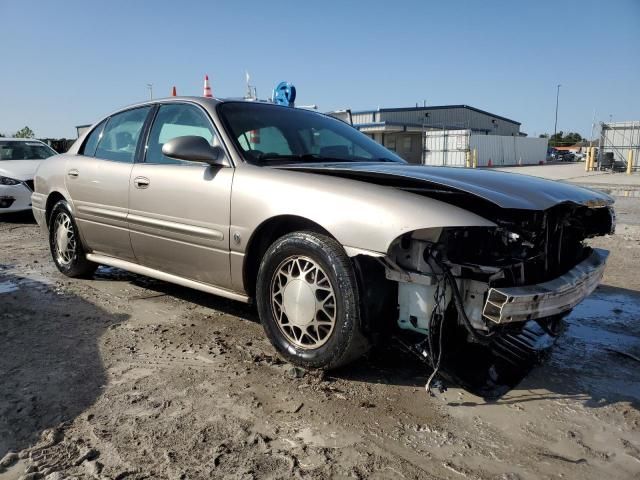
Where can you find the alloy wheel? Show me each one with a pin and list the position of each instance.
(303, 302)
(65, 239)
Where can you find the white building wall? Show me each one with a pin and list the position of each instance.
(360, 118)
(450, 147)
(497, 150)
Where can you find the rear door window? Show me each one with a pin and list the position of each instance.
(120, 136)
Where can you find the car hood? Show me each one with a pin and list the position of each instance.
(19, 169)
(507, 190)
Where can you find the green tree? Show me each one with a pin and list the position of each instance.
(25, 132)
(561, 140)
(572, 138)
(555, 140)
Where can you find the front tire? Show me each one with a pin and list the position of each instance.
(64, 242)
(308, 301)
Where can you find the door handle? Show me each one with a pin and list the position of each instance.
(141, 182)
(73, 173)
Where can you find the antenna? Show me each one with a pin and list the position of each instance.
(252, 91)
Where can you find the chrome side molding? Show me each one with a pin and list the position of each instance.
(166, 277)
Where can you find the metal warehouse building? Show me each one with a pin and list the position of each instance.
(403, 129)
(620, 141)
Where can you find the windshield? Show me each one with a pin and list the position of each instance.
(10, 150)
(267, 134)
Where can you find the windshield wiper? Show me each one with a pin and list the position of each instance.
(305, 157)
(314, 157)
(385, 159)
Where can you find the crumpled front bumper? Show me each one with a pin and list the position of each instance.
(519, 304)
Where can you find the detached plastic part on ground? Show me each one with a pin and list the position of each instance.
(488, 371)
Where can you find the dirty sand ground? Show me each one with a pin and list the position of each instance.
(123, 377)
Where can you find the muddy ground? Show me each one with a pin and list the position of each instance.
(123, 377)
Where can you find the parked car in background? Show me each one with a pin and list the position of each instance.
(338, 241)
(562, 156)
(19, 159)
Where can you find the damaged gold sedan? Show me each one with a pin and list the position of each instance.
(338, 241)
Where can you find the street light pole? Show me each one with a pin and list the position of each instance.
(555, 127)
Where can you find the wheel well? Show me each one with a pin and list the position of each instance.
(264, 236)
(52, 199)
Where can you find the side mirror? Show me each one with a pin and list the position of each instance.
(194, 149)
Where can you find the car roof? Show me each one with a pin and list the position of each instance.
(11, 139)
(204, 101)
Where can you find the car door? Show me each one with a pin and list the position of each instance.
(98, 182)
(179, 211)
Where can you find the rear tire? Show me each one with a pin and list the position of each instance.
(308, 301)
(64, 242)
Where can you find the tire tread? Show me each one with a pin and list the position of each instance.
(347, 349)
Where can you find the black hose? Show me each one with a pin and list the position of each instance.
(457, 300)
(477, 337)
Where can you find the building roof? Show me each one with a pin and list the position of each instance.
(624, 125)
(437, 107)
(407, 127)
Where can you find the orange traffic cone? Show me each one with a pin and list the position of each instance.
(207, 88)
(173, 92)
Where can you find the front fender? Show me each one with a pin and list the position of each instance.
(360, 215)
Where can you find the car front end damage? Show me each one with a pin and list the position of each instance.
(479, 291)
(484, 303)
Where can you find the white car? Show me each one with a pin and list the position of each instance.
(19, 159)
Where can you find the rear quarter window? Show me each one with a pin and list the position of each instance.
(91, 143)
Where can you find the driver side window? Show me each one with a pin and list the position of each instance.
(176, 120)
(267, 140)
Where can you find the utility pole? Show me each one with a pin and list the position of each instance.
(555, 127)
(150, 87)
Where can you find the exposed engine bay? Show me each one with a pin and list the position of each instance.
(503, 290)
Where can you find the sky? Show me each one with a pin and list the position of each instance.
(71, 62)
